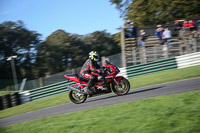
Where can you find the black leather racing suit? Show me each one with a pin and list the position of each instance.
(90, 69)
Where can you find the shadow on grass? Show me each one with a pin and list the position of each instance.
(130, 93)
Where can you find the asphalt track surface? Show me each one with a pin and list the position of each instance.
(109, 99)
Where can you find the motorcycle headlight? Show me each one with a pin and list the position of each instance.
(116, 69)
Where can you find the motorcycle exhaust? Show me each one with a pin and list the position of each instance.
(73, 88)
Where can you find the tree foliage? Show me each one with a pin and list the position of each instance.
(102, 42)
(15, 39)
(150, 12)
(60, 51)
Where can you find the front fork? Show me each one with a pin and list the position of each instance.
(118, 85)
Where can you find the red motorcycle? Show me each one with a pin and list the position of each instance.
(107, 82)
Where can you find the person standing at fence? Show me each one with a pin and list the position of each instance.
(166, 37)
(198, 24)
(143, 37)
(157, 31)
(129, 30)
(191, 25)
(179, 24)
(161, 33)
(185, 25)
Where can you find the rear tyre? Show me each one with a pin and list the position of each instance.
(123, 88)
(76, 97)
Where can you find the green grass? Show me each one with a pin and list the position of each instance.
(164, 114)
(165, 76)
(136, 82)
(35, 105)
(6, 92)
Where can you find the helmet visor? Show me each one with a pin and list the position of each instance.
(96, 57)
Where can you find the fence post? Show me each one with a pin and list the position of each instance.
(41, 79)
(141, 58)
(143, 55)
(134, 56)
(8, 89)
(165, 51)
(155, 52)
(123, 48)
(73, 70)
(181, 47)
(194, 45)
(187, 44)
(103, 58)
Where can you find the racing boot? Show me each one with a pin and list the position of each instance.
(87, 89)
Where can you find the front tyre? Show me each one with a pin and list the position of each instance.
(76, 97)
(123, 88)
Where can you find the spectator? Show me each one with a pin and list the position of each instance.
(143, 37)
(179, 24)
(167, 36)
(185, 25)
(129, 32)
(191, 25)
(198, 24)
(157, 31)
(161, 33)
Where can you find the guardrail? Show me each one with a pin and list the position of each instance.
(49, 90)
(24, 97)
(123, 72)
(151, 67)
(162, 65)
(188, 60)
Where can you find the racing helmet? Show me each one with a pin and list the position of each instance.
(94, 55)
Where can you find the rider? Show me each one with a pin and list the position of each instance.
(89, 70)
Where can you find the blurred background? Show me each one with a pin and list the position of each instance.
(52, 38)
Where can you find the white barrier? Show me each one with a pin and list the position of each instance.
(24, 97)
(188, 60)
(123, 72)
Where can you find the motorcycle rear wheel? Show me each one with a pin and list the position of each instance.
(123, 89)
(76, 97)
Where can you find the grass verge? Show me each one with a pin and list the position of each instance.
(164, 114)
(6, 92)
(165, 76)
(35, 105)
(136, 82)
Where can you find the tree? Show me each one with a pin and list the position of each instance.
(63, 50)
(102, 42)
(150, 12)
(15, 39)
(60, 51)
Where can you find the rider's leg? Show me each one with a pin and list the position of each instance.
(91, 83)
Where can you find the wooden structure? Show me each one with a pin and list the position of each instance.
(184, 42)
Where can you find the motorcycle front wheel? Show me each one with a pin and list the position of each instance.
(123, 88)
(76, 97)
